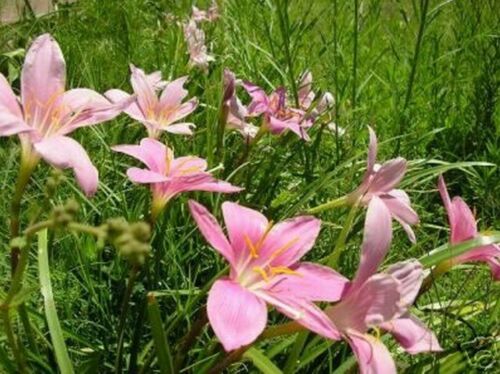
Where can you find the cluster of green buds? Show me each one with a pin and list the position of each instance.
(64, 214)
(131, 240)
(55, 179)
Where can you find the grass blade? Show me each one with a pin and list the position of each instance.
(62, 356)
(160, 340)
(261, 361)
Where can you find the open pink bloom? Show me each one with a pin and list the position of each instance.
(463, 227)
(49, 113)
(265, 269)
(278, 116)
(169, 176)
(235, 112)
(381, 180)
(195, 39)
(158, 112)
(381, 300)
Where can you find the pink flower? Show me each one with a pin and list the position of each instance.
(235, 112)
(265, 269)
(210, 15)
(157, 112)
(306, 98)
(381, 300)
(195, 39)
(278, 116)
(305, 92)
(380, 180)
(46, 113)
(169, 176)
(463, 227)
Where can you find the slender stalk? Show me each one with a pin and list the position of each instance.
(228, 359)
(159, 336)
(123, 317)
(341, 201)
(336, 79)
(189, 339)
(355, 58)
(333, 259)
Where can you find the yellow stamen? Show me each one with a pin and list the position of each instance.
(284, 248)
(251, 248)
(283, 270)
(376, 330)
(263, 237)
(192, 169)
(262, 273)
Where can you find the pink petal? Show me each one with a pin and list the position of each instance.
(289, 240)
(489, 254)
(180, 128)
(236, 315)
(146, 95)
(464, 225)
(377, 237)
(137, 175)
(388, 176)
(410, 274)
(8, 100)
(132, 110)
(183, 110)
(243, 224)
(302, 311)
(63, 153)
(173, 93)
(372, 151)
(11, 124)
(412, 334)
(217, 186)
(211, 230)
(398, 203)
(151, 152)
(443, 191)
(259, 102)
(373, 356)
(43, 76)
(312, 282)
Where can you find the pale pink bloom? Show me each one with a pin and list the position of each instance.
(50, 113)
(235, 112)
(278, 116)
(158, 104)
(195, 39)
(265, 269)
(169, 176)
(306, 98)
(463, 227)
(209, 15)
(381, 300)
(381, 180)
(305, 92)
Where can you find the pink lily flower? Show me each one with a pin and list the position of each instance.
(234, 111)
(157, 113)
(463, 227)
(380, 180)
(265, 269)
(46, 113)
(278, 117)
(195, 39)
(306, 98)
(382, 300)
(169, 176)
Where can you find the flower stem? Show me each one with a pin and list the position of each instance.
(189, 339)
(123, 317)
(341, 201)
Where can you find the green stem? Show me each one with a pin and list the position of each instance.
(189, 339)
(341, 201)
(333, 259)
(159, 337)
(123, 317)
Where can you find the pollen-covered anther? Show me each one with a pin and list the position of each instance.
(275, 270)
(253, 251)
(261, 272)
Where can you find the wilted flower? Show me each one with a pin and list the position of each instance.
(234, 112)
(380, 180)
(278, 116)
(158, 112)
(381, 300)
(265, 269)
(48, 113)
(169, 176)
(463, 227)
(195, 39)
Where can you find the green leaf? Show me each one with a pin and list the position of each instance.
(448, 251)
(261, 361)
(62, 356)
(160, 340)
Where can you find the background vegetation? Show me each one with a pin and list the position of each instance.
(425, 74)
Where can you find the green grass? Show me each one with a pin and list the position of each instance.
(440, 103)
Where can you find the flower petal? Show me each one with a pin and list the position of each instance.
(173, 93)
(151, 152)
(236, 315)
(132, 110)
(412, 334)
(464, 226)
(211, 230)
(8, 100)
(137, 175)
(145, 90)
(312, 282)
(373, 356)
(289, 240)
(388, 176)
(11, 124)
(43, 76)
(63, 152)
(377, 237)
(180, 128)
(183, 110)
(410, 274)
(489, 254)
(372, 151)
